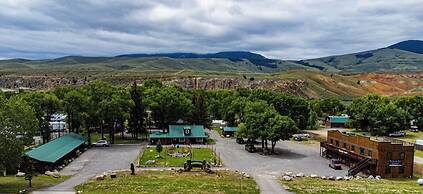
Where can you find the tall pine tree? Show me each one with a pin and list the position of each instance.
(136, 117)
(199, 114)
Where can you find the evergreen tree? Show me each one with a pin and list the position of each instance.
(136, 115)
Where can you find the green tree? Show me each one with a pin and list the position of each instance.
(168, 104)
(413, 106)
(363, 110)
(218, 101)
(296, 108)
(330, 106)
(137, 109)
(257, 119)
(50, 104)
(17, 127)
(44, 105)
(280, 128)
(235, 110)
(388, 118)
(313, 121)
(199, 114)
(98, 93)
(75, 105)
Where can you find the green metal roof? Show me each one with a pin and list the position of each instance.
(56, 149)
(177, 131)
(338, 119)
(230, 129)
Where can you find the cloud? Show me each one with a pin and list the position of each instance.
(290, 29)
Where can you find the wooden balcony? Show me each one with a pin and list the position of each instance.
(352, 156)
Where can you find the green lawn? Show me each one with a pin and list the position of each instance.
(316, 185)
(211, 141)
(12, 184)
(118, 139)
(418, 153)
(166, 160)
(218, 130)
(412, 136)
(172, 182)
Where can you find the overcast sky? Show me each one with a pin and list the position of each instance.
(294, 29)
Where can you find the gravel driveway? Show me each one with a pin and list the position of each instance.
(292, 157)
(96, 161)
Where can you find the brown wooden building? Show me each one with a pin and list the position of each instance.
(375, 156)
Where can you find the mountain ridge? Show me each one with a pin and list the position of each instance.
(402, 56)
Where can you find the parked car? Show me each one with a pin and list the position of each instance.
(335, 164)
(414, 129)
(240, 140)
(250, 148)
(301, 137)
(253, 142)
(397, 134)
(101, 143)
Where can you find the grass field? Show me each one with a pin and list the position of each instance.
(166, 160)
(12, 184)
(118, 139)
(412, 136)
(316, 185)
(211, 141)
(172, 182)
(418, 153)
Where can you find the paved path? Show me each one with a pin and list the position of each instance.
(96, 161)
(293, 157)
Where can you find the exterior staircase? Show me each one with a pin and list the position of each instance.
(359, 167)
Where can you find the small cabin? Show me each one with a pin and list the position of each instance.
(337, 121)
(229, 131)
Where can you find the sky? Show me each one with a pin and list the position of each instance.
(282, 29)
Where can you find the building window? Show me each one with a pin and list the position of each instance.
(352, 148)
(402, 155)
(337, 143)
(331, 141)
(362, 150)
(369, 153)
(345, 145)
(387, 169)
(388, 155)
(401, 169)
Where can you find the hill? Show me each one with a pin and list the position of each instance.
(236, 62)
(403, 56)
(415, 46)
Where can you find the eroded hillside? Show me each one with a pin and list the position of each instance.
(311, 84)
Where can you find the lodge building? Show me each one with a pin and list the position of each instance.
(180, 134)
(374, 156)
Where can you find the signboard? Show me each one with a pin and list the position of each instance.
(187, 131)
(395, 162)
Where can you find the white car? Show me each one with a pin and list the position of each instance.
(397, 134)
(101, 143)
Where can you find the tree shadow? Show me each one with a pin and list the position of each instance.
(282, 154)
